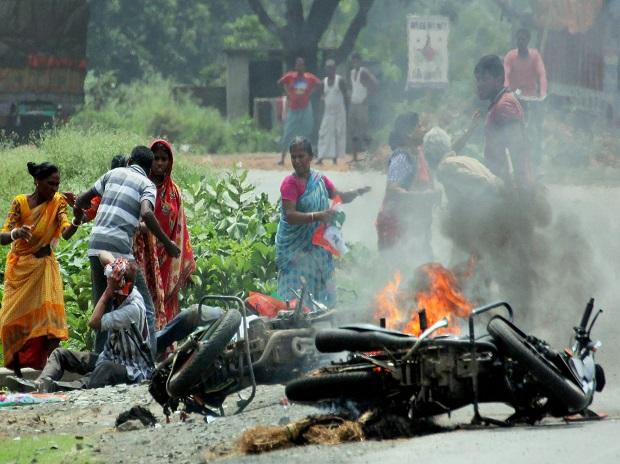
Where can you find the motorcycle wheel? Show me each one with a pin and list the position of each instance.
(361, 385)
(190, 373)
(560, 390)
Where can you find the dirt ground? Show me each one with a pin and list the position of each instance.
(269, 161)
(91, 414)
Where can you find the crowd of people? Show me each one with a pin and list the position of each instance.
(140, 257)
(140, 249)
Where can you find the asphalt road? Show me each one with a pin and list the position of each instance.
(590, 215)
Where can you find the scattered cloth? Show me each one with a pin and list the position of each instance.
(25, 399)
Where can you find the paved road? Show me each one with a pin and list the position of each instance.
(592, 210)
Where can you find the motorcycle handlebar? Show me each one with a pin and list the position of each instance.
(586, 315)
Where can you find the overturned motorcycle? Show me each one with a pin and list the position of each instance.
(435, 374)
(232, 351)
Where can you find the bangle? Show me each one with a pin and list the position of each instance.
(311, 217)
(74, 224)
(14, 230)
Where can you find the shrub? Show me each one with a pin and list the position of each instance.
(150, 109)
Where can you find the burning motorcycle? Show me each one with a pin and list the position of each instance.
(436, 373)
(234, 350)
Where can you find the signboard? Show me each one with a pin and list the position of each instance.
(428, 51)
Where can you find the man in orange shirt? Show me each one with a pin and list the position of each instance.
(524, 68)
(526, 76)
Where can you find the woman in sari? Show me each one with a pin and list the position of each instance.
(165, 275)
(32, 319)
(404, 222)
(305, 197)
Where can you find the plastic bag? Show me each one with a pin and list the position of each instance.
(329, 236)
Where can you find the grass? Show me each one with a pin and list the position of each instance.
(82, 155)
(47, 449)
(151, 109)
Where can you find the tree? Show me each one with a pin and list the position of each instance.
(301, 34)
(175, 38)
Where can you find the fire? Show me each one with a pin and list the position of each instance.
(437, 293)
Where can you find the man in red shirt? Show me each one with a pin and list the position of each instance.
(526, 75)
(505, 144)
(524, 68)
(298, 86)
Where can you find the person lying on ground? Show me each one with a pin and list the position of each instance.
(125, 358)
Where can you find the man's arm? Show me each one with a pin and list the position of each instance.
(519, 150)
(369, 80)
(83, 199)
(542, 76)
(148, 216)
(507, 68)
(345, 93)
(95, 319)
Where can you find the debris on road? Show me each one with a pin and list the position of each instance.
(138, 415)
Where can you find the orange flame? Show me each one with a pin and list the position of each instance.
(439, 297)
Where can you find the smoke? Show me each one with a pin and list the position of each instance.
(538, 262)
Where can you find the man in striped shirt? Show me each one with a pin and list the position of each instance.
(127, 196)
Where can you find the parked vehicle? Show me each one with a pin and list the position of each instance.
(237, 351)
(435, 374)
(42, 63)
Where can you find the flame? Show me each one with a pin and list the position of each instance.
(439, 296)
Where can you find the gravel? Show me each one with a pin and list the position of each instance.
(92, 414)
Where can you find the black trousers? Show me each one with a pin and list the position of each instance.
(83, 363)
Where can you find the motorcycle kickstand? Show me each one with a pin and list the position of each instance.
(482, 420)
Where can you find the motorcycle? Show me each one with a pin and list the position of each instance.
(434, 374)
(233, 351)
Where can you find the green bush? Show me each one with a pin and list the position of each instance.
(234, 243)
(150, 109)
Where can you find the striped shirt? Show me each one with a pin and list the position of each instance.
(122, 344)
(121, 190)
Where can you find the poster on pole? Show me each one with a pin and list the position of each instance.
(428, 51)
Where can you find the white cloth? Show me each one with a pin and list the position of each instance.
(333, 131)
(466, 178)
(358, 90)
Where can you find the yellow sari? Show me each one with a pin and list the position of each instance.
(32, 316)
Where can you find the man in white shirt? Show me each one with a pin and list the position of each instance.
(362, 81)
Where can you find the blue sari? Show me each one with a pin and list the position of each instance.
(297, 257)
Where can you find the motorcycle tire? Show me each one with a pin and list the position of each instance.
(361, 385)
(191, 372)
(560, 390)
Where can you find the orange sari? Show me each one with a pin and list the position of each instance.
(32, 317)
